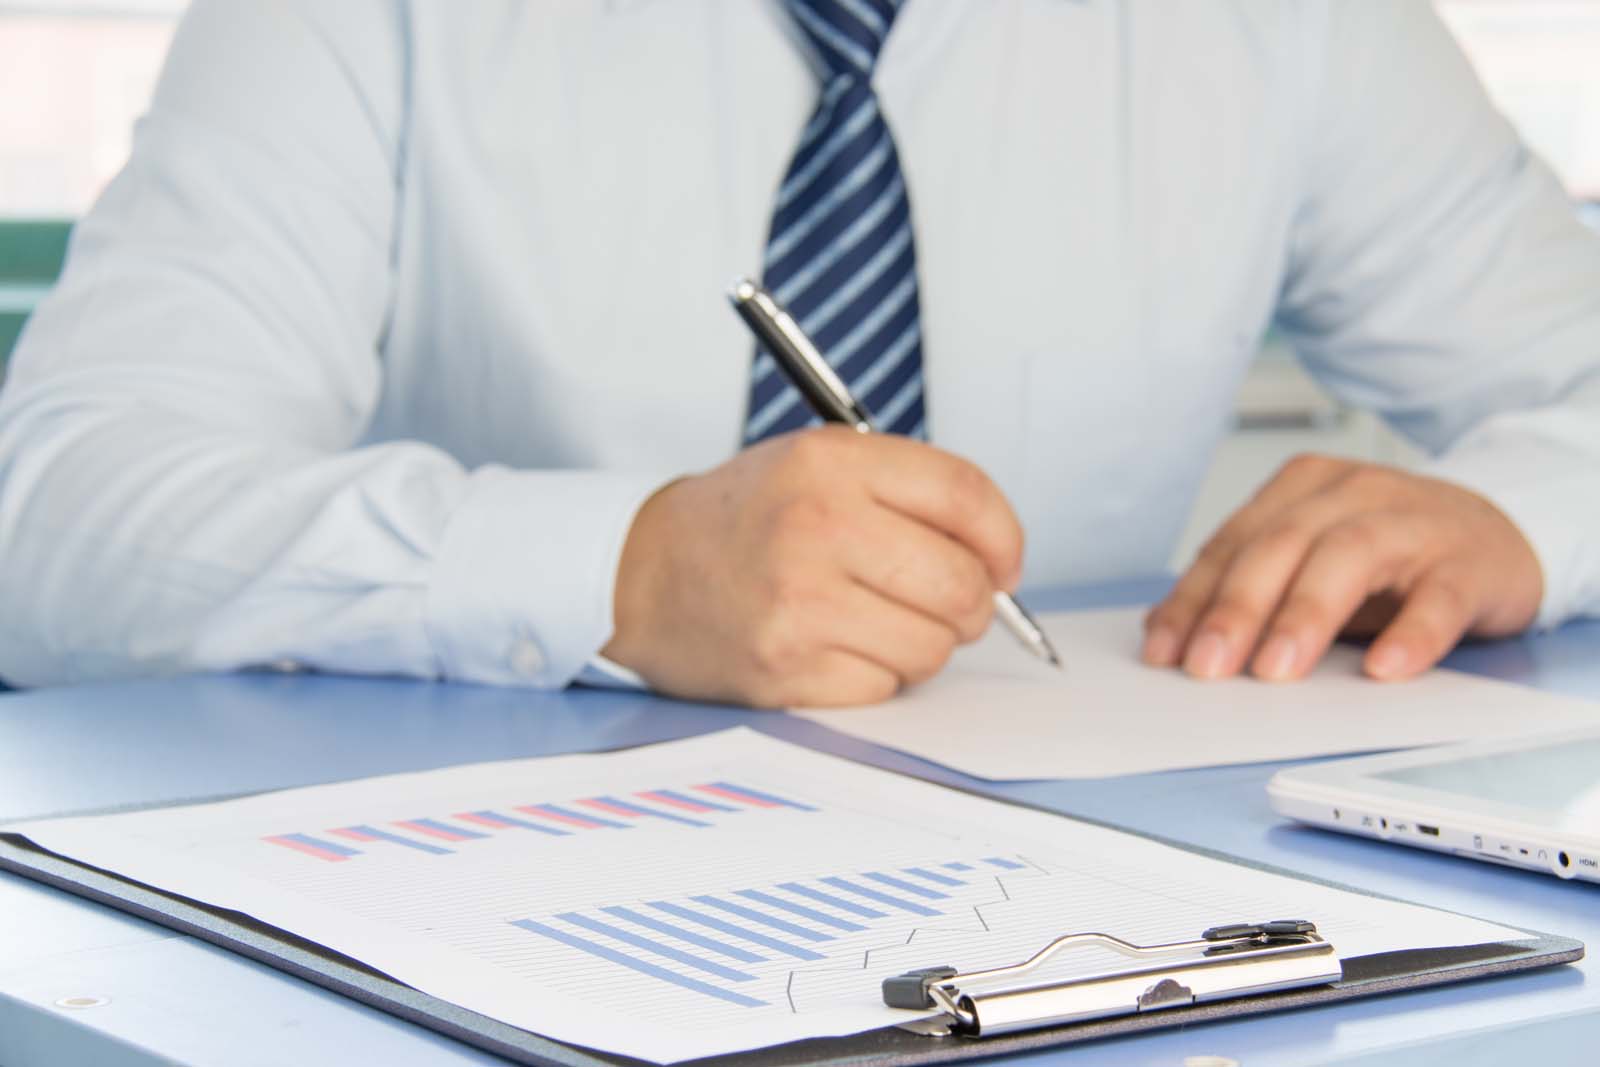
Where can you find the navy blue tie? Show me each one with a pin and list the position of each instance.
(840, 254)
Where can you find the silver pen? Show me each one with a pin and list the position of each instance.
(831, 399)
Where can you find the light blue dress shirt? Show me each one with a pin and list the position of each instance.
(401, 309)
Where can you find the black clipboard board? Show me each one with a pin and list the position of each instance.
(1362, 976)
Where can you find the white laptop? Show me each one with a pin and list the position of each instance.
(1531, 802)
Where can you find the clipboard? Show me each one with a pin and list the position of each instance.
(1225, 972)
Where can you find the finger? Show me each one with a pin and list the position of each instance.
(1430, 623)
(1170, 624)
(836, 679)
(953, 496)
(905, 642)
(1347, 564)
(1254, 583)
(914, 565)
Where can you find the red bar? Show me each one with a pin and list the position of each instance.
(685, 805)
(582, 824)
(444, 835)
(493, 824)
(738, 798)
(612, 809)
(354, 835)
(309, 850)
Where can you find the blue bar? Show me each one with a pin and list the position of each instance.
(839, 902)
(384, 835)
(627, 937)
(731, 951)
(882, 898)
(556, 809)
(910, 887)
(583, 944)
(722, 926)
(958, 866)
(446, 828)
(768, 797)
(701, 801)
(637, 810)
(326, 846)
(1010, 865)
(800, 909)
(933, 876)
(524, 823)
(762, 918)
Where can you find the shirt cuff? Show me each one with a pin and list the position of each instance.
(1551, 492)
(602, 673)
(522, 585)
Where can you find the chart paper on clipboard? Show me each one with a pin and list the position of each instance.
(697, 897)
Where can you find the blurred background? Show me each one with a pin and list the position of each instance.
(75, 74)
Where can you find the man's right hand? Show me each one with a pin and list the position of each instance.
(824, 567)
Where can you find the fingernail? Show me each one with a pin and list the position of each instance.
(1387, 661)
(1161, 647)
(1207, 656)
(1277, 658)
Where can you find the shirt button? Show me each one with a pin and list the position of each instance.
(527, 659)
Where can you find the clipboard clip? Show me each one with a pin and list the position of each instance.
(1230, 961)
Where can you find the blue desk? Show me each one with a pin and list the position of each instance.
(169, 998)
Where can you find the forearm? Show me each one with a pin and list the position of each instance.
(140, 542)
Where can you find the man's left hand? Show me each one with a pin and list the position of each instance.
(1332, 547)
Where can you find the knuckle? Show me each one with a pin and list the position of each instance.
(812, 451)
(1307, 465)
(1303, 611)
(772, 653)
(776, 645)
(1167, 613)
(1358, 536)
(1178, 611)
(968, 488)
(1232, 614)
(1219, 548)
(1282, 538)
(1370, 481)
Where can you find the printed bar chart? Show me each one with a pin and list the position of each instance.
(712, 943)
(697, 807)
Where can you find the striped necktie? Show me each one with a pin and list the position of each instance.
(840, 255)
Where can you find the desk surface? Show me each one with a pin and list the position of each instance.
(169, 998)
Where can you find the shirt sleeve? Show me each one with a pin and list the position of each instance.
(181, 481)
(1438, 274)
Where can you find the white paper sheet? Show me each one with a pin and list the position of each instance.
(997, 713)
(785, 887)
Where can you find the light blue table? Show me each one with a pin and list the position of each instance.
(171, 999)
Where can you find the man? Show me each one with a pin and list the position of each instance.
(400, 344)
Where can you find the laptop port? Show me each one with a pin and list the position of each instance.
(1431, 831)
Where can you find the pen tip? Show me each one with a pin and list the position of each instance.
(742, 289)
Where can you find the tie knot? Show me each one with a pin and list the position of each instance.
(848, 34)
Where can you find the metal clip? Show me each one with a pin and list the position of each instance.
(1232, 960)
